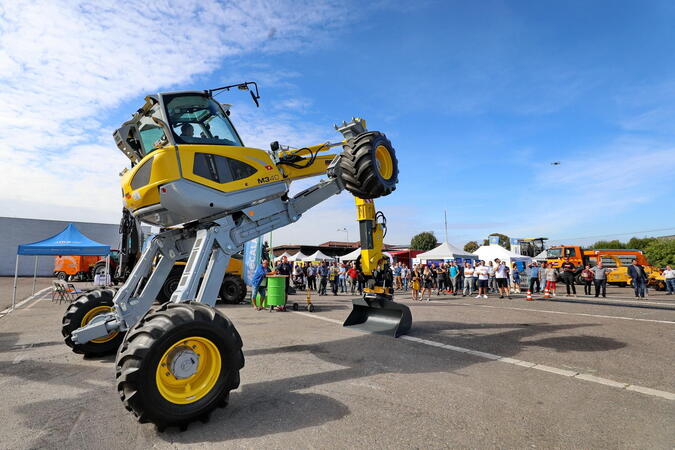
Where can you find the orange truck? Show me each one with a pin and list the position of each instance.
(75, 266)
(610, 258)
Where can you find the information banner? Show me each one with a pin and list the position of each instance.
(515, 246)
(252, 254)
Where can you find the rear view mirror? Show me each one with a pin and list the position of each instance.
(255, 99)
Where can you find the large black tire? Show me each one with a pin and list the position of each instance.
(170, 284)
(369, 165)
(233, 289)
(80, 312)
(147, 344)
(62, 276)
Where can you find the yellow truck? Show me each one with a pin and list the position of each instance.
(619, 274)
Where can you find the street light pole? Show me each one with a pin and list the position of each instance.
(346, 231)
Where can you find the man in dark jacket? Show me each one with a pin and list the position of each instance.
(569, 270)
(637, 273)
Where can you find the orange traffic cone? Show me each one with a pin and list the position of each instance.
(547, 294)
(529, 295)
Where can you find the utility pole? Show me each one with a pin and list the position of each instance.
(346, 231)
(445, 212)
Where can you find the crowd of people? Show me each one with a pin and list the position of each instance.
(495, 277)
(327, 276)
(454, 278)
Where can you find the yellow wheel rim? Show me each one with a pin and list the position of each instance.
(384, 162)
(93, 313)
(188, 370)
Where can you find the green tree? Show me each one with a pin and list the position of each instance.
(609, 244)
(471, 246)
(640, 243)
(661, 252)
(504, 240)
(424, 241)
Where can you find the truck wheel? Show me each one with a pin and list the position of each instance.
(170, 284)
(80, 313)
(369, 165)
(233, 289)
(62, 276)
(178, 364)
(98, 269)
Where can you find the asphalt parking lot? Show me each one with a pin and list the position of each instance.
(472, 373)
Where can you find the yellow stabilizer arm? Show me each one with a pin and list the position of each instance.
(372, 235)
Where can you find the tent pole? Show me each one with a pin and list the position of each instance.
(16, 273)
(35, 274)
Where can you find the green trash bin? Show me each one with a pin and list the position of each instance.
(276, 290)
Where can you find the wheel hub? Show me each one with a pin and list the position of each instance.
(184, 363)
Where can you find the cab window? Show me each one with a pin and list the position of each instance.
(570, 252)
(198, 119)
(220, 168)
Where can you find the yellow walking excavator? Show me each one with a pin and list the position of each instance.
(193, 177)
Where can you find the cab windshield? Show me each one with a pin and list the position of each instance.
(554, 253)
(197, 119)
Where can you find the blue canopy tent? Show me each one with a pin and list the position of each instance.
(68, 242)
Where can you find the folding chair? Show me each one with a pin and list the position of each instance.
(64, 291)
(59, 292)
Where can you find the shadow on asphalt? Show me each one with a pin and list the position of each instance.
(275, 406)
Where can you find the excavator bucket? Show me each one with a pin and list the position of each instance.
(380, 316)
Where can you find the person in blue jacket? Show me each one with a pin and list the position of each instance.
(637, 273)
(259, 284)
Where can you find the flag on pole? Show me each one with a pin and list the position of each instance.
(252, 254)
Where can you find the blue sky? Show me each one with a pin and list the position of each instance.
(478, 99)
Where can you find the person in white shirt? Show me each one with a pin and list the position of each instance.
(669, 275)
(483, 274)
(468, 279)
(502, 277)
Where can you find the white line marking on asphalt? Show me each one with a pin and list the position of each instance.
(570, 314)
(37, 300)
(6, 310)
(315, 316)
(555, 370)
(649, 391)
(529, 365)
(600, 380)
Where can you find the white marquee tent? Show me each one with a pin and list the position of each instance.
(297, 257)
(318, 256)
(351, 256)
(286, 254)
(492, 251)
(541, 256)
(443, 252)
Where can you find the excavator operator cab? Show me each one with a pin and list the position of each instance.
(192, 117)
(196, 118)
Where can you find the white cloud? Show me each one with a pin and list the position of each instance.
(604, 184)
(65, 65)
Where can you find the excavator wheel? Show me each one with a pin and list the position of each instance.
(369, 165)
(80, 313)
(233, 289)
(178, 363)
